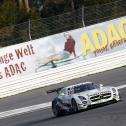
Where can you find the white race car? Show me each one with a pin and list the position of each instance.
(80, 96)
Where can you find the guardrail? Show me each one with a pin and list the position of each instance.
(64, 73)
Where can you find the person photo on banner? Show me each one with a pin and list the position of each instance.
(69, 49)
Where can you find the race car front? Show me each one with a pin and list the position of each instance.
(97, 96)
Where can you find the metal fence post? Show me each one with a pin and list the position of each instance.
(83, 16)
(29, 29)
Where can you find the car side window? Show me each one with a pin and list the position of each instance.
(70, 91)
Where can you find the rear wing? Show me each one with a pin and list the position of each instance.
(54, 90)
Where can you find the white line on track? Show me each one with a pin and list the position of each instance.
(23, 110)
(122, 86)
(19, 111)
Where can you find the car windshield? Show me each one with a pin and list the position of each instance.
(85, 87)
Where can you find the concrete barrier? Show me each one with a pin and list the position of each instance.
(64, 73)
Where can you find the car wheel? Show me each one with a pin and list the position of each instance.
(56, 109)
(74, 106)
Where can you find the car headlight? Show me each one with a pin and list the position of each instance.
(82, 98)
(114, 90)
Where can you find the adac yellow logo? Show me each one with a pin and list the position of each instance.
(114, 36)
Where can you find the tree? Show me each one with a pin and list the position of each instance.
(10, 16)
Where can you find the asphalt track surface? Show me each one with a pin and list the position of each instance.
(107, 115)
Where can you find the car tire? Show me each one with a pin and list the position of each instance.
(56, 112)
(56, 109)
(74, 106)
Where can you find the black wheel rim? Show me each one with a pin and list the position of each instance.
(74, 106)
(55, 111)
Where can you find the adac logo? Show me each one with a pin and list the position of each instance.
(114, 35)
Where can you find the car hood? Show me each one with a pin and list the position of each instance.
(94, 91)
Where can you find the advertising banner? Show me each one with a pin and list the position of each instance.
(65, 48)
